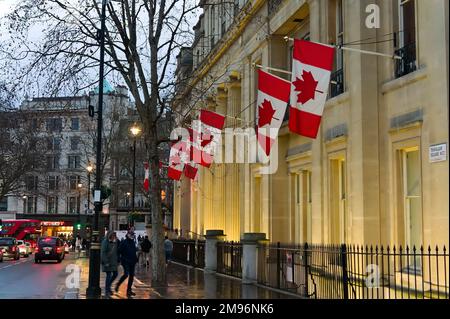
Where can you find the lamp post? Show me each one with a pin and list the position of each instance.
(89, 169)
(79, 186)
(135, 131)
(93, 290)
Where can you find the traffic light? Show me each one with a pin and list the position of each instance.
(78, 226)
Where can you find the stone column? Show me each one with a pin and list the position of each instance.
(250, 256)
(234, 107)
(212, 237)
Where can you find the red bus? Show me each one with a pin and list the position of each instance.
(22, 229)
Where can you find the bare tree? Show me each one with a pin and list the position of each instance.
(142, 40)
(21, 153)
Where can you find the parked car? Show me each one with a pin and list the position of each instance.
(1, 255)
(24, 250)
(9, 247)
(49, 248)
(30, 247)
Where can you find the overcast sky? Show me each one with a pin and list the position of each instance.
(5, 6)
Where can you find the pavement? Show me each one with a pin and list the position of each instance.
(183, 282)
(23, 279)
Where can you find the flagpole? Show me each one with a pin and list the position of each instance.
(279, 70)
(340, 47)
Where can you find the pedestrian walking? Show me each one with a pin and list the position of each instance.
(128, 259)
(78, 245)
(146, 245)
(109, 260)
(168, 248)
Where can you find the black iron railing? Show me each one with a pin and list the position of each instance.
(407, 63)
(336, 83)
(229, 258)
(355, 272)
(189, 252)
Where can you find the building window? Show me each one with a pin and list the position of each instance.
(411, 199)
(54, 143)
(303, 202)
(406, 38)
(53, 183)
(336, 34)
(54, 125)
(52, 204)
(31, 183)
(73, 205)
(4, 204)
(52, 162)
(338, 201)
(74, 180)
(30, 205)
(75, 124)
(74, 161)
(74, 143)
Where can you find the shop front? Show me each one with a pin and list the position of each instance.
(57, 228)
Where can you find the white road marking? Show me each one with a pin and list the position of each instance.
(16, 263)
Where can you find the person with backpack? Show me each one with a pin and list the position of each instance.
(146, 245)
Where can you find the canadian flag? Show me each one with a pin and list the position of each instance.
(273, 98)
(146, 180)
(179, 155)
(205, 137)
(311, 69)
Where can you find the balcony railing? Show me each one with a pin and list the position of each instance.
(407, 64)
(336, 83)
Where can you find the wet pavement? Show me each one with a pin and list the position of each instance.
(23, 279)
(184, 282)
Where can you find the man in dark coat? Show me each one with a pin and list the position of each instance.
(128, 259)
(110, 260)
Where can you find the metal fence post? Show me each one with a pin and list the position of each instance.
(344, 271)
(305, 258)
(278, 265)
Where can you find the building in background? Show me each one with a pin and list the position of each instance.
(374, 174)
(59, 194)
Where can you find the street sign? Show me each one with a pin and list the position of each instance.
(97, 196)
(91, 110)
(438, 152)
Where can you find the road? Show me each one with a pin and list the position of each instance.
(23, 279)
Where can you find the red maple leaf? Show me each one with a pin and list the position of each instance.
(306, 86)
(266, 113)
(206, 139)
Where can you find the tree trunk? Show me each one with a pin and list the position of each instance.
(157, 237)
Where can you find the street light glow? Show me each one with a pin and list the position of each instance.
(135, 130)
(80, 185)
(89, 168)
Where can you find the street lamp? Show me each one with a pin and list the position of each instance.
(135, 131)
(93, 290)
(89, 169)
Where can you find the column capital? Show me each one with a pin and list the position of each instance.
(252, 238)
(214, 234)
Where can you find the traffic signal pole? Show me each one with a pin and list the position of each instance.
(94, 290)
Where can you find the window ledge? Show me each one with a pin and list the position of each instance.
(403, 81)
(338, 99)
